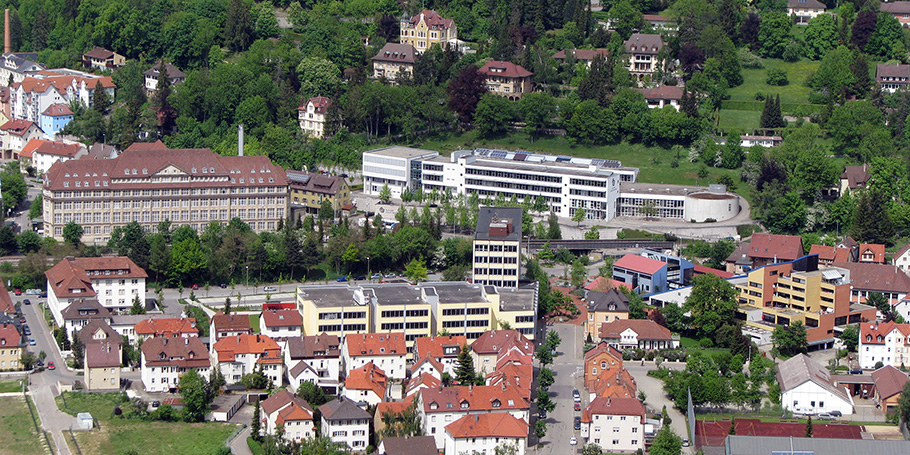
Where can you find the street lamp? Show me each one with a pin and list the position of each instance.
(248, 276)
(368, 269)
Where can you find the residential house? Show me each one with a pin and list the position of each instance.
(900, 10)
(228, 325)
(892, 78)
(54, 119)
(47, 153)
(311, 116)
(15, 133)
(392, 408)
(644, 274)
(780, 294)
(367, 385)
(114, 281)
(764, 249)
(411, 445)
(289, 412)
(394, 61)
(886, 342)
(211, 181)
(660, 22)
(487, 349)
(761, 141)
(239, 355)
(514, 371)
(585, 56)
(82, 311)
(828, 255)
(344, 422)
(441, 406)
(6, 302)
(612, 383)
(102, 152)
(808, 388)
(164, 360)
(423, 381)
(442, 349)
(638, 333)
(314, 358)
(497, 246)
(125, 324)
(871, 253)
(600, 358)
(427, 28)
(281, 324)
(614, 424)
(385, 350)
(662, 96)
(805, 10)
(885, 278)
(102, 59)
(34, 95)
(603, 307)
(19, 65)
(98, 331)
(166, 328)
(855, 177)
(309, 190)
(643, 51)
(25, 155)
(507, 79)
(889, 383)
(901, 259)
(102, 366)
(427, 365)
(483, 433)
(151, 76)
(11, 346)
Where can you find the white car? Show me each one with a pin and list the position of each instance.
(573, 441)
(270, 289)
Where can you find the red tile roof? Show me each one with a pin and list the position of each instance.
(664, 92)
(102, 355)
(231, 322)
(76, 273)
(17, 126)
(293, 412)
(614, 406)
(604, 284)
(314, 346)
(9, 336)
(228, 348)
(876, 277)
(184, 352)
(504, 69)
(612, 382)
(58, 109)
(425, 380)
(61, 83)
(889, 381)
(876, 250)
(375, 344)
(394, 407)
(320, 104)
(701, 269)
(433, 20)
(30, 147)
(432, 361)
(496, 341)
(773, 246)
(437, 346)
(368, 377)
(282, 318)
(830, 253)
(493, 425)
(59, 149)
(646, 329)
(6, 302)
(604, 349)
(515, 376)
(875, 333)
(640, 264)
(167, 327)
(474, 398)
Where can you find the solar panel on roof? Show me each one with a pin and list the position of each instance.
(612, 163)
(563, 159)
(299, 178)
(498, 154)
(519, 157)
(597, 161)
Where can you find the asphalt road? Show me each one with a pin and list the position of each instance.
(567, 368)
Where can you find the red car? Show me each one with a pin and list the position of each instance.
(18, 291)
(578, 406)
(195, 287)
(50, 365)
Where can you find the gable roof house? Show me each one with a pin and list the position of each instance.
(638, 333)
(82, 311)
(854, 177)
(901, 259)
(412, 445)
(604, 307)
(585, 56)
(367, 385)
(644, 54)
(151, 76)
(238, 355)
(440, 406)
(805, 10)
(102, 59)
(15, 134)
(808, 388)
(507, 79)
(311, 116)
(345, 423)
(871, 253)
(114, 281)
(487, 349)
(102, 366)
(443, 349)
(34, 95)
(394, 61)
(385, 350)
(614, 424)
(164, 360)
(886, 342)
(889, 383)
(900, 10)
(290, 412)
(55, 118)
(225, 325)
(482, 433)
(427, 28)
(661, 96)
(308, 190)
(47, 153)
(892, 78)
(19, 65)
(314, 358)
(427, 365)
(765, 249)
(11, 345)
(167, 328)
(281, 324)
(827, 255)
(884, 278)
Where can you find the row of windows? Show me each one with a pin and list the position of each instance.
(400, 313)
(513, 175)
(495, 248)
(347, 328)
(586, 182)
(174, 215)
(521, 319)
(483, 271)
(460, 311)
(401, 326)
(347, 315)
(471, 323)
(494, 260)
(513, 186)
(498, 283)
(588, 193)
(167, 192)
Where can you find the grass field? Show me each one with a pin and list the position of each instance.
(117, 437)
(19, 436)
(654, 162)
(745, 121)
(796, 92)
(14, 385)
(691, 345)
(99, 405)
(254, 322)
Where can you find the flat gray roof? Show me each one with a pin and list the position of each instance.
(457, 292)
(492, 215)
(511, 299)
(395, 294)
(548, 167)
(768, 445)
(401, 152)
(328, 296)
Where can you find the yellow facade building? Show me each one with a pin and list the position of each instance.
(309, 190)
(426, 29)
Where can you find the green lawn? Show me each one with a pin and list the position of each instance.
(691, 345)
(654, 162)
(796, 92)
(14, 385)
(18, 436)
(99, 405)
(254, 322)
(117, 437)
(745, 121)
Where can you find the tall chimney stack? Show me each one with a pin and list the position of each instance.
(240, 140)
(7, 42)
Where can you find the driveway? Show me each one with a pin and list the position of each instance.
(655, 398)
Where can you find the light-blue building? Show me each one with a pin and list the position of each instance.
(54, 119)
(651, 271)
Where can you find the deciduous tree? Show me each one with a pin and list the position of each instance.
(712, 303)
(465, 91)
(196, 396)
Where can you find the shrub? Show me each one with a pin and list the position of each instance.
(749, 60)
(776, 76)
(706, 343)
(759, 96)
(792, 51)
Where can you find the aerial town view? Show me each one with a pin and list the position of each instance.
(455, 227)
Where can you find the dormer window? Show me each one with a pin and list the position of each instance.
(464, 405)
(432, 405)
(145, 171)
(496, 403)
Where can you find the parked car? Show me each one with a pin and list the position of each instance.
(18, 291)
(27, 302)
(376, 276)
(573, 441)
(577, 406)
(685, 442)
(825, 416)
(26, 330)
(50, 365)
(195, 287)
(835, 413)
(270, 289)
(341, 279)
(360, 277)
(543, 414)
(222, 285)
(42, 295)
(577, 423)
(576, 396)
(390, 275)
(156, 403)
(40, 363)
(31, 341)
(22, 320)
